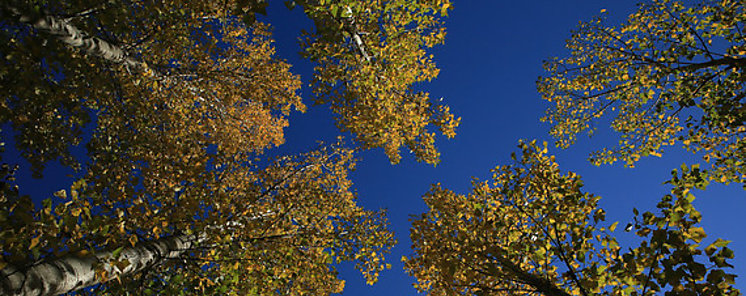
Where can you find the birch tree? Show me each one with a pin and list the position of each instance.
(161, 43)
(175, 102)
(264, 232)
(368, 79)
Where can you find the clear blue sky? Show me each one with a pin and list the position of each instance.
(489, 64)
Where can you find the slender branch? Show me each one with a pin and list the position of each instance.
(540, 284)
(729, 61)
(654, 265)
(85, 12)
(556, 241)
(566, 261)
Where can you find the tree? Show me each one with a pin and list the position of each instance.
(531, 229)
(175, 102)
(668, 74)
(369, 79)
(382, 41)
(276, 230)
(234, 79)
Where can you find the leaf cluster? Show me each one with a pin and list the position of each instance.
(531, 229)
(669, 74)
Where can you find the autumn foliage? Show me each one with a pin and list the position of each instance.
(175, 103)
(531, 229)
(166, 110)
(669, 74)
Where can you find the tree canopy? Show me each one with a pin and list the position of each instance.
(669, 74)
(369, 80)
(175, 102)
(199, 50)
(168, 111)
(281, 226)
(531, 229)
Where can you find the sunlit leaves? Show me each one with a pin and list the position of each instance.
(229, 108)
(371, 55)
(173, 149)
(528, 225)
(532, 230)
(669, 74)
(273, 230)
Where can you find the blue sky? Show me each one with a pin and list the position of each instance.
(489, 64)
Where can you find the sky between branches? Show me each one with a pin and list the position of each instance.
(489, 64)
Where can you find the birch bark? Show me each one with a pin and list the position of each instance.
(74, 37)
(72, 273)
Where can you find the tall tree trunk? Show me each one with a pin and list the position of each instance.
(66, 33)
(72, 273)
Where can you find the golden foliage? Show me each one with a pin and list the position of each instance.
(668, 74)
(531, 229)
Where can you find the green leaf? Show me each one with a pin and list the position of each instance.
(117, 251)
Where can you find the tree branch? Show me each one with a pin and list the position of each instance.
(540, 284)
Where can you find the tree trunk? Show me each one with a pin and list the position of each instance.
(66, 33)
(72, 273)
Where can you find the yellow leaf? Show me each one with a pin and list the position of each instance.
(34, 242)
(444, 9)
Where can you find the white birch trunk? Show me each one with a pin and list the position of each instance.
(73, 37)
(72, 273)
